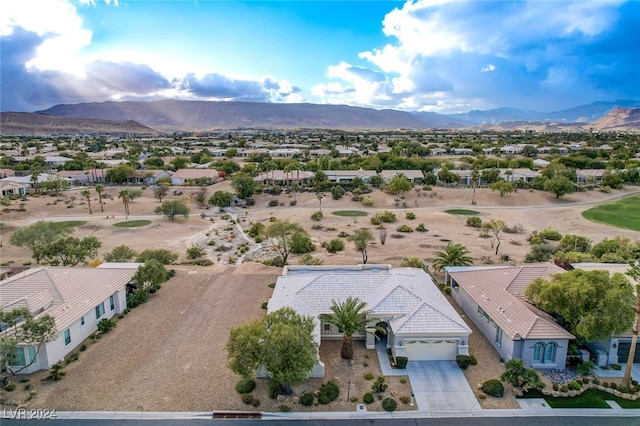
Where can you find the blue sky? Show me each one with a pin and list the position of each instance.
(420, 55)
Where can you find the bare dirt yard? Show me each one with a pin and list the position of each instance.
(168, 354)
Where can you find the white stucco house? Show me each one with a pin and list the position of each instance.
(76, 297)
(493, 298)
(420, 322)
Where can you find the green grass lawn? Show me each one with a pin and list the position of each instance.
(132, 223)
(349, 213)
(623, 213)
(70, 223)
(592, 398)
(464, 212)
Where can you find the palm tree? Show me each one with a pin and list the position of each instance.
(99, 189)
(124, 194)
(350, 317)
(87, 194)
(320, 196)
(475, 178)
(453, 255)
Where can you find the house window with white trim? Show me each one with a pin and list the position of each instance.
(327, 327)
(550, 353)
(112, 302)
(537, 351)
(67, 337)
(499, 337)
(25, 355)
(99, 311)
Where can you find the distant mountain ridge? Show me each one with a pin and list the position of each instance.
(184, 116)
(32, 124)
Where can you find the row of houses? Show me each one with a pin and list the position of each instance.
(419, 321)
(585, 176)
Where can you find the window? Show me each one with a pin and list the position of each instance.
(67, 337)
(499, 337)
(81, 321)
(550, 353)
(112, 302)
(99, 311)
(327, 327)
(25, 355)
(537, 351)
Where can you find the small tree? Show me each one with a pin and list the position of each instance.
(41, 231)
(160, 191)
(150, 275)
(172, 208)
(559, 185)
(244, 348)
(66, 251)
(502, 187)
(221, 199)
(516, 374)
(361, 239)
(22, 329)
(120, 254)
(164, 256)
(280, 233)
(398, 185)
(124, 195)
(195, 252)
(495, 227)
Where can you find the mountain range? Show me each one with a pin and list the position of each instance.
(170, 116)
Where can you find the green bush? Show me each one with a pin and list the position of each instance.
(285, 408)
(275, 389)
(264, 305)
(617, 367)
(401, 361)
(300, 243)
(316, 216)
(10, 387)
(410, 215)
(105, 325)
(421, 228)
(389, 404)
(613, 385)
(605, 384)
(405, 399)
(333, 246)
(328, 392)
(368, 202)
(273, 202)
(564, 389)
(474, 222)
(379, 385)
(247, 398)
(404, 228)
(574, 385)
(493, 387)
(585, 368)
(463, 361)
(277, 261)
(245, 386)
(550, 234)
(368, 398)
(256, 401)
(385, 216)
(473, 360)
(307, 399)
(368, 376)
(337, 192)
(596, 382)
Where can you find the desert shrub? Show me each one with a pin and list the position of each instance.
(273, 203)
(300, 243)
(389, 404)
(245, 386)
(195, 251)
(256, 228)
(337, 192)
(405, 399)
(385, 216)
(613, 385)
(353, 399)
(250, 201)
(550, 234)
(410, 215)
(256, 401)
(585, 380)
(404, 228)
(412, 262)
(403, 381)
(463, 361)
(334, 245)
(264, 305)
(368, 376)
(328, 392)
(421, 228)
(617, 367)
(316, 216)
(555, 387)
(367, 202)
(596, 382)
(285, 408)
(379, 385)
(585, 368)
(275, 389)
(401, 361)
(307, 399)
(277, 261)
(308, 259)
(247, 398)
(564, 389)
(368, 398)
(83, 347)
(105, 325)
(164, 256)
(10, 387)
(574, 385)
(473, 360)
(474, 222)
(605, 384)
(493, 387)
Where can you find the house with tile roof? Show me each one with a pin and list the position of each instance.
(420, 322)
(493, 298)
(77, 298)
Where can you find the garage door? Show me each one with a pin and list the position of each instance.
(431, 350)
(623, 352)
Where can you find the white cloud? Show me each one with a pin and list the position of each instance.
(488, 68)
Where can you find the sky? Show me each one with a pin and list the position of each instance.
(444, 56)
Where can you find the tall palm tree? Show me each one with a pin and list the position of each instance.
(99, 189)
(475, 178)
(124, 194)
(87, 194)
(350, 317)
(453, 255)
(320, 196)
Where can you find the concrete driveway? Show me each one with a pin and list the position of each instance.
(440, 386)
(436, 385)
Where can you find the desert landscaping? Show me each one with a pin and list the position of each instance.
(168, 355)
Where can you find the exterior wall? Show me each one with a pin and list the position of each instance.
(55, 351)
(560, 354)
(488, 330)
